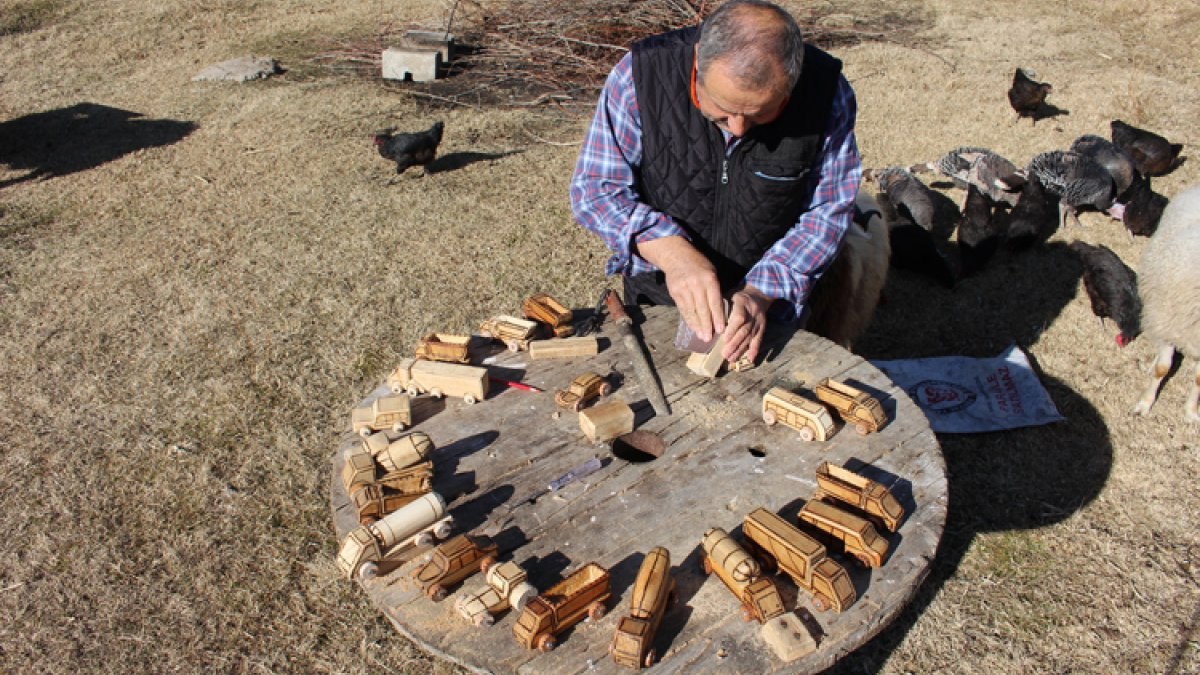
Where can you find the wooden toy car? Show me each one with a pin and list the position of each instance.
(439, 379)
(542, 308)
(444, 347)
(581, 391)
(633, 642)
(369, 548)
(860, 493)
(854, 406)
(513, 332)
(581, 594)
(506, 587)
(386, 412)
(455, 560)
(757, 594)
(857, 535)
(777, 544)
(810, 418)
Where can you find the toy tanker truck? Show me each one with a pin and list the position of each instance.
(742, 575)
(580, 595)
(368, 549)
(777, 544)
(633, 642)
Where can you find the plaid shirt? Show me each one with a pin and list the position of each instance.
(605, 201)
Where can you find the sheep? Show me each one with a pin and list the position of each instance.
(1169, 285)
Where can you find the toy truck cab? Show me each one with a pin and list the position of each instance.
(860, 493)
(453, 561)
(513, 332)
(444, 347)
(857, 535)
(854, 406)
(544, 309)
(582, 594)
(777, 544)
(386, 412)
(808, 417)
(633, 641)
(582, 390)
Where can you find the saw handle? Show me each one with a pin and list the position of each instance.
(616, 309)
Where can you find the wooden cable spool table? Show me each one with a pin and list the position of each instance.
(721, 462)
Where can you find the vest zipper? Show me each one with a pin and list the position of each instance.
(725, 171)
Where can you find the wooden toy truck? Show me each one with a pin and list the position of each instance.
(757, 594)
(368, 548)
(444, 347)
(373, 502)
(857, 535)
(856, 407)
(386, 412)
(581, 391)
(810, 418)
(862, 494)
(513, 332)
(582, 594)
(439, 379)
(777, 544)
(455, 560)
(633, 642)
(544, 309)
(506, 587)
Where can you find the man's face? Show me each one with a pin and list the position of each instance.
(733, 108)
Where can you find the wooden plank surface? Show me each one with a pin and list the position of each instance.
(721, 462)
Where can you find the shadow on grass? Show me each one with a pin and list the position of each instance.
(1009, 481)
(83, 136)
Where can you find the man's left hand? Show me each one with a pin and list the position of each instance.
(747, 323)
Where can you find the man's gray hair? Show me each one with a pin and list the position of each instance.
(751, 38)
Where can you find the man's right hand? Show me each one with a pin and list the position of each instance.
(691, 281)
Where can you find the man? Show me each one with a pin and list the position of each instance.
(722, 161)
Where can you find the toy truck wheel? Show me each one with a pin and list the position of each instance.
(706, 566)
(577, 405)
(435, 392)
(413, 391)
(424, 539)
(651, 657)
(863, 560)
(862, 428)
(605, 389)
(443, 530)
(469, 399)
(398, 427)
(807, 435)
(770, 418)
(483, 620)
(747, 613)
(486, 564)
(597, 611)
(820, 602)
(365, 431)
(513, 346)
(368, 571)
(546, 643)
(436, 592)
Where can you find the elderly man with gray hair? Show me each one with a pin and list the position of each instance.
(721, 162)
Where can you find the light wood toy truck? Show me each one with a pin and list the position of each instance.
(549, 312)
(778, 545)
(386, 412)
(857, 535)
(439, 379)
(506, 586)
(580, 595)
(455, 560)
(857, 408)
(513, 332)
(633, 642)
(444, 347)
(810, 418)
(369, 549)
(863, 495)
(741, 574)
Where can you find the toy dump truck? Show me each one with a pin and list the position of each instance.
(513, 332)
(506, 587)
(581, 391)
(368, 549)
(740, 573)
(439, 379)
(633, 642)
(810, 418)
(856, 535)
(777, 544)
(857, 408)
(455, 560)
(444, 347)
(386, 412)
(373, 502)
(861, 494)
(542, 308)
(582, 594)
(404, 475)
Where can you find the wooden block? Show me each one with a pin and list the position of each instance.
(708, 365)
(606, 421)
(788, 637)
(564, 348)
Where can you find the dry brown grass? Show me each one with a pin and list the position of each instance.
(188, 310)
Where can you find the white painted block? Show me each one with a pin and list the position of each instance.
(419, 65)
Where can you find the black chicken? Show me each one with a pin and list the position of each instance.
(913, 247)
(1143, 208)
(928, 208)
(415, 149)
(1112, 288)
(1152, 154)
(1026, 95)
(979, 233)
(1035, 217)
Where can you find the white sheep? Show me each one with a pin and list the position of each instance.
(1169, 285)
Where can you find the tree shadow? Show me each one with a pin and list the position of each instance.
(83, 136)
(1007, 481)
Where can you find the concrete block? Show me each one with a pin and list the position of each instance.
(420, 65)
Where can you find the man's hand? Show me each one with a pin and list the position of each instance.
(691, 281)
(747, 322)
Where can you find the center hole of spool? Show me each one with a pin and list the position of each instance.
(638, 446)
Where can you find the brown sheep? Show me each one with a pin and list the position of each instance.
(1169, 284)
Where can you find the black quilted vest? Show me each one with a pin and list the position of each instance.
(734, 208)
